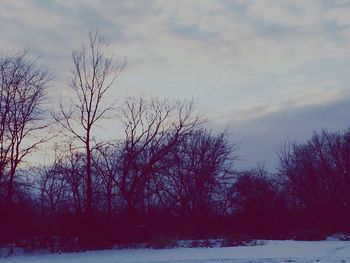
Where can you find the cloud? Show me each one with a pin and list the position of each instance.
(306, 101)
(263, 129)
(240, 59)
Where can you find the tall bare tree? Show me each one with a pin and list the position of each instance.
(152, 128)
(93, 75)
(23, 87)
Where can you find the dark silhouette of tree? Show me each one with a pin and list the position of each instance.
(106, 160)
(93, 75)
(316, 175)
(72, 168)
(152, 129)
(23, 88)
(254, 192)
(53, 187)
(200, 166)
(257, 202)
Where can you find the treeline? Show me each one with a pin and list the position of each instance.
(167, 176)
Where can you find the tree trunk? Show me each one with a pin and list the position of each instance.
(109, 202)
(10, 188)
(88, 177)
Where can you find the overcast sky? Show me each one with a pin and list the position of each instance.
(269, 70)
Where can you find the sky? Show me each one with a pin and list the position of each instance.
(265, 70)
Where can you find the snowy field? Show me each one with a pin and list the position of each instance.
(272, 251)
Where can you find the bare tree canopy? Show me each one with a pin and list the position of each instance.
(198, 170)
(93, 75)
(316, 173)
(152, 129)
(23, 87)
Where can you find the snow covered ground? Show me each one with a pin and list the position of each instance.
(272, 251)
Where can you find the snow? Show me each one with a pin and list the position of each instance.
(272, 251)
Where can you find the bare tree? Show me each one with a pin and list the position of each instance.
(106, 162)
(254, 193)
(73, 163)
(199, 168)
(93, 75)
(316, 175)
(152, 128)
(23, 88)
(53, 187)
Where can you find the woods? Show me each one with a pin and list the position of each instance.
(168, 174)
